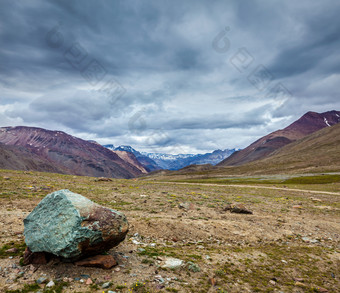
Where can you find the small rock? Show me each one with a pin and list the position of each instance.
(321, 290)
(171, 263)
(38, 258)
(238, 209)
(98, 261)
(106, 285)
(103, 179)
(186, 206)
(89, 281)
(12, 250)
(85, 276)
(159, 279)
(6, 178)
(41, 280)
(272, 282)
(299, 284)
(284, 261)
(316, 199)
(297, 207)
(50, 284)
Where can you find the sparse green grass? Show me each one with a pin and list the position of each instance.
(26, 289)
(238, 252)
(20, 246)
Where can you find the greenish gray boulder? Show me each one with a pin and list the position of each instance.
(69, 225)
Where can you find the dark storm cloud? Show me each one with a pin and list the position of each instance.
(160, 82)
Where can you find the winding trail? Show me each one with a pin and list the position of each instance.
(249, 186)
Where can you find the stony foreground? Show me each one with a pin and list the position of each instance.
(184, 238)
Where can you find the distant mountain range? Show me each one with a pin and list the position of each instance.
(157, 161)
(37, 149)
(263, 147)
(310, 143)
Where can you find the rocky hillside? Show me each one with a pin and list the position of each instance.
(56, 151)
(307, 124)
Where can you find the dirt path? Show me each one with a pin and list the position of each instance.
(249, 186)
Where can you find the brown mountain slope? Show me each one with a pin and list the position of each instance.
(307, 124)
(68, 154)
(317, 152)
(20, 158)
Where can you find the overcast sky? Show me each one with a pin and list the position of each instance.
(168, 76)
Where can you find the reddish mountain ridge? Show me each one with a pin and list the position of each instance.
(67, 154)
(307, 124)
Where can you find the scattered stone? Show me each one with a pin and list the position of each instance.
(38, 258)
(315, 199)
(272, 282)
(89, 281)
(307, 239)
(103, 179)
(193, 267)
(237, 208)
(284, 261)
(69, 225)
(12, 250)
(321, 290)
(299, 284)
(297, 207)
(98, 261)
(106, 285)
(171, 263)
(143, 195)
(50, 284)
(159, 279)
(85, 276)
(186, 206)
(41, 280)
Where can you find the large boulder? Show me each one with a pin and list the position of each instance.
(69, 225)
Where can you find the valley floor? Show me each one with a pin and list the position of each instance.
(291, 242)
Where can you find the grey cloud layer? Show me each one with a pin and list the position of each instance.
(177, 90)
